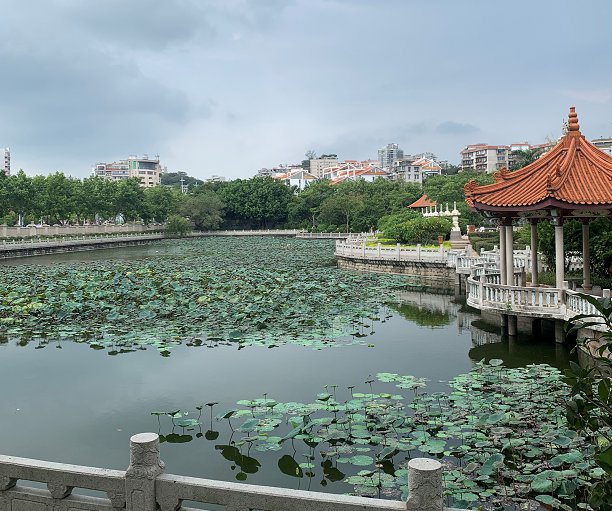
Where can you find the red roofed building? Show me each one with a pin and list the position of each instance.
(422, 203)
(571, 181)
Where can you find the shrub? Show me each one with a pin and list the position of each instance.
(177, 226)
(424, 230)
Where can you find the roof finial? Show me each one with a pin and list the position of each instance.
(573, 120)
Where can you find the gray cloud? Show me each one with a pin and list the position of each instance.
(264, 80)
(456, 128)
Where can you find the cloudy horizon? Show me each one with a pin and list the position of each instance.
(228, 87)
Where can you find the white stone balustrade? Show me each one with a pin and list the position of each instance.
(396, 253)
(144, 487)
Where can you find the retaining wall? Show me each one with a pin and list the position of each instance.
(424, 274)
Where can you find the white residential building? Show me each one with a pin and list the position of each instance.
(485, 158)
(415, 170)
(5, 161)
(298, 178)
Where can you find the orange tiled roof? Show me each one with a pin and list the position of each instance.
(573, 174)
(423, 202)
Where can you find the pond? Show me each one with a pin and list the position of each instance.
(85, 358)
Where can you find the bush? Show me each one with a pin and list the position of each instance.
(423, 230)
(177, 226)
(391, 225)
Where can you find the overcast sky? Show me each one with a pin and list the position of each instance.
(229, 86)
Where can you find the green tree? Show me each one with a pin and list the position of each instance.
(260, 202)
(160, 202)
(524, 158)
(204, 209)
(129, 201)
(19, 194)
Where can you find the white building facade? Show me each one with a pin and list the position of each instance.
(147, 170)
(5, 161)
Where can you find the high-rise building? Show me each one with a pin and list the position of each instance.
(5, 161)
(147, 170)
(387, 155)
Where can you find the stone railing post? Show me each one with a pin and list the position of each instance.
(399, 252)
(424, 485)
(145, 466)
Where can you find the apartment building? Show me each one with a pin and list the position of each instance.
(416, 170)
(147, 170)
(5, 161)
(389, 154)
(491, 158)
(484, 158)
(319, 165)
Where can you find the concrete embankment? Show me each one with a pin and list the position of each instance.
(426, 274)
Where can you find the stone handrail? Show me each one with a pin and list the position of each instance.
(537, 301)
(255, 232)
(396, 253)
(67, 230)
(144, 487)
(11, 245)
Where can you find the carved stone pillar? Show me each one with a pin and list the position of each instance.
(145, 466)
(424, 485)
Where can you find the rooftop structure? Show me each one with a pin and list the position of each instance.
(146, 169)
(423, 202)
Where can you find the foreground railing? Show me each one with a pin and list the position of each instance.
(144, 487)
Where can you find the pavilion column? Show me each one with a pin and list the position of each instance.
(534, 253)
(502, 253)
(586, 256)
(509, 255)
(559, 253)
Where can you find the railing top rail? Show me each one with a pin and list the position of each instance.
(103, 479)
(265, 497)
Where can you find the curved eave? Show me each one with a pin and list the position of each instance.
(549, 203)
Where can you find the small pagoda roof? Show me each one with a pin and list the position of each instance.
(573, 175)
(423, 202)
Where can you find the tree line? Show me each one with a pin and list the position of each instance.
(256, 203)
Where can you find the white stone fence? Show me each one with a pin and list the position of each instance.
(33, 231)
(13, 244)
(144, 487)
(394, 253)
